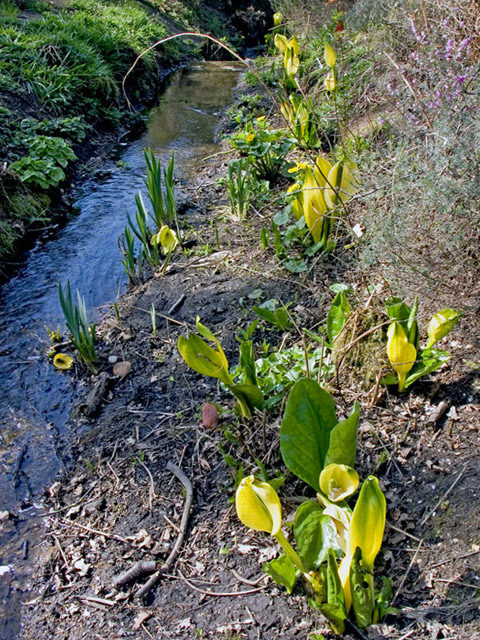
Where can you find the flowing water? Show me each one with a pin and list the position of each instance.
(35, 399)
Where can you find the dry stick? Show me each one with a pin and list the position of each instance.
(465, 555)
(455, 482)
(427, 26)
(400, 586)
(152, 581)
(144, 568)
(221, 593)
(105, 534)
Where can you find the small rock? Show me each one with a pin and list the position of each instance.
(112, 359)
(209, 415)
(55, 489)
(4, 516)
(122, 369)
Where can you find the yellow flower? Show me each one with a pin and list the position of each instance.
(249, 137)
(330, 81)
(329, 55)
(366, 531)
(314, 207)
(258, 506)
(277, 18)
(294, 187)
(167, 238)
(400, 352)
(260, 118)
(338, 481)
(300, 166)
(62, 361)
(440, 324)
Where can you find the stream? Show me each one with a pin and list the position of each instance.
(35, 398)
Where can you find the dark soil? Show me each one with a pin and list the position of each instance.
(121, 505)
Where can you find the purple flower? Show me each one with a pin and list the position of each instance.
(460, 79)
(449, 48)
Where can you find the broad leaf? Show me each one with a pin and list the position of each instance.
(305, 431)
(282, 571)
(343, 440)
(315, 535)
(337, 316)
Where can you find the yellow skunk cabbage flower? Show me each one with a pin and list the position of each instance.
(329, 55)
(277, 19)
(291, 59)
(330, 81)
(366, 531)
(341, 517)
(322, 169)
(281, 42)
(338, 481)
(440, 324)
(314, 207)
(400, 352)
(62, 361)
(287, 112)
(258, 506)
(342, 183)
(167, 238)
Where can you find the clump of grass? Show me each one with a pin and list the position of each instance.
(82, 333)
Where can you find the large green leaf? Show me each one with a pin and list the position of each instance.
(343, 440)
(282, 571)
(337, 316)
(315, 535)
(305, 431)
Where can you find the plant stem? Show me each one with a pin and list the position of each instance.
(290, 551)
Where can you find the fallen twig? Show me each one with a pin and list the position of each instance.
(405, 576)
(139, 570)
(221, 593)
(152, 581)
(437, 504)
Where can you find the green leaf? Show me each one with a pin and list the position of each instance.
(428, 361)
(305, 431)
(343, 440)
(334, 610)
(248, 394)
(362, 597)
(398, 310)
(247, 363)
(203, 359)
(315, 535)
(336, 287)
(282, 571)
(337, 316)
(295, 265)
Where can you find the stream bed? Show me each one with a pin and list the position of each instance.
(36, 399)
